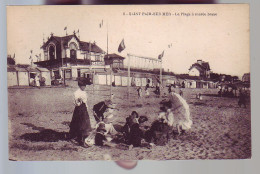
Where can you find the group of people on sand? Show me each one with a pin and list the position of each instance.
(242, 95)
(173, 118)
(146, 91)
(35, 81)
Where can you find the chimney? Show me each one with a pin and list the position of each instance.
(199, 62)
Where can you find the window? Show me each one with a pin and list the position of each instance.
(98, 58)
(73, 50)
(73, 54)
(45, 55)
(51, 52)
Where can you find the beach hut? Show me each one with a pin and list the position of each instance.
(22, 76)
(11, 76)
(124, 80)
(143, 81)
(118, 81)
(32, 71)
(101, 79)
(46, 74)
(138, 81)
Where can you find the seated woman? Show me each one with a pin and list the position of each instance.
(99, 109)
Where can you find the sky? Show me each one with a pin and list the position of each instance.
(221, 40)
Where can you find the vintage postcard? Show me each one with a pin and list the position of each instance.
(135, 82)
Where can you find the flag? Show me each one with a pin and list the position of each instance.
(161, 55)
(121, 46)
(65, 28)
(101, 24)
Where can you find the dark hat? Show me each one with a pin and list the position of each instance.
(167, 104)
(101, 127)
(135, 114)
(82, 81)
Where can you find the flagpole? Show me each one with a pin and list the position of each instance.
(110, 66)
(161, 79)
(128, 78)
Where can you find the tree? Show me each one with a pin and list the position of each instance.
(215, 77)
(228, 78)
(10, 60)
(235, 78)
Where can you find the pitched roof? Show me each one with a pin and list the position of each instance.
(94, 48)
(113, 55)
(187, 76)
(20, 69)
(32, 69)
(11, 69)
(206, 65)
(201, 67)
(22, 65)
(65, 40)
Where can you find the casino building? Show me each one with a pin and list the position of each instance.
(70, 57)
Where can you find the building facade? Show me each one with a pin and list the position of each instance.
(69, 57)
(246, 78)
(116, 61)
(200, 69)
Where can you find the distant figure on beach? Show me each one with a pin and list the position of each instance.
(170, 88)
(157, 89)
(220, 92)
(199, 96)
(242, 99)
(37, 80)
(181, 93)
(139, 92)
(147, 90)
(80, 124)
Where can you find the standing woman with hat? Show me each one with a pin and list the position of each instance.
(80, 124)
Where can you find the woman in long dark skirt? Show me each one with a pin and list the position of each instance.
(80, 124)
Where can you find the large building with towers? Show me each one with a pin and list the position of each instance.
(69, 56)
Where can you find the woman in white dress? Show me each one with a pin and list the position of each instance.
(37, 80)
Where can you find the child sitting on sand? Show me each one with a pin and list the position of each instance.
(100, 137)
(133, 134)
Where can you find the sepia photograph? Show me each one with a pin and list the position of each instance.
(128, 82)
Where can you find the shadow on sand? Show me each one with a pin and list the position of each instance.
(44, 135)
